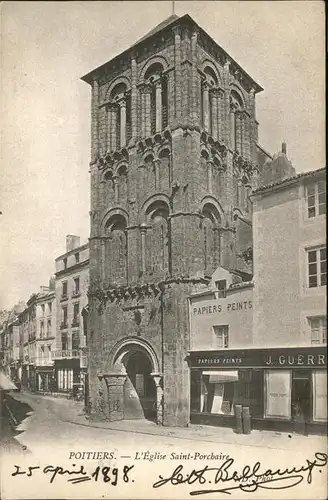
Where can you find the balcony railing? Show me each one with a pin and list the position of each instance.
(76, 322)
(63, 325)
(70, 354)
(76, 293)
(63, 297)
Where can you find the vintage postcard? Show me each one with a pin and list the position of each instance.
(163, 250)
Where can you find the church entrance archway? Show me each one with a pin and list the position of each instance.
(142, 390)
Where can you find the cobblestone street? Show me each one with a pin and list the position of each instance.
(56, 430)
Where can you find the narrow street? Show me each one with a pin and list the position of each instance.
(47, 437)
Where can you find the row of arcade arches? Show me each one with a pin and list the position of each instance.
(155, 241)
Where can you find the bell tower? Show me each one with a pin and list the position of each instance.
(173, 159)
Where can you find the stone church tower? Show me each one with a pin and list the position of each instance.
(174, 154)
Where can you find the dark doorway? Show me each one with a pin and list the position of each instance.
(301, 401)
(138, 369)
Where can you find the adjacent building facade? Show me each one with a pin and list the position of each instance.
(174, 157)
(72, 282)
(37, 326)
(263, 344)
(289, 227)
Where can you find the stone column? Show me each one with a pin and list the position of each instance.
(134, 97)
(158, 379)
(206, 107)
(246, 137)
(109, 128)
(226, 104)
(220, 116)
(147, 112)
(143, 231)
(103, 261)
(239, 127)
(195, 105)
(114, 406)
(94, 120)
(158, 105)
(214, 124)
(122, 104)
(177, 70)
(113, 134)
(252, 125)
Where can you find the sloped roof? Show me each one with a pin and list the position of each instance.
(158, 28)
(173, 19)
(289, 180)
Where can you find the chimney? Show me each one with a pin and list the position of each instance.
(52, 283)
(284, 148)
(72, 242)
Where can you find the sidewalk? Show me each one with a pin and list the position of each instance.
(72, 411)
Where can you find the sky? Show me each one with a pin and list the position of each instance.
(48, 46)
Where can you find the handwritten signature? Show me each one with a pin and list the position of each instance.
(249, 479)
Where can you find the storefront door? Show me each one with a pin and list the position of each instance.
(301, 400)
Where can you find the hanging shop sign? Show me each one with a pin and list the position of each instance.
(305, 357)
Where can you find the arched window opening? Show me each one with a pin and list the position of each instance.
(236, 106)
(158, 239)
(116, 250)
(119, 118)
(155, 104)
(211, 238)
(210, 101)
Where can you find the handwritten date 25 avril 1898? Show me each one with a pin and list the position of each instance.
(78, 474)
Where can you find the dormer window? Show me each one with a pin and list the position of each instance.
(221, 287)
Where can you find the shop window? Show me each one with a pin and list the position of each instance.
(221, 286)
(317, 267)
(65, 379)
(319, 396)
(217, 392)
(318, 329)
(316, 199)
(221, 336)
(278, 394)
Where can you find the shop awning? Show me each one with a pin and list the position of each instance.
(219, 377)
(5, 383)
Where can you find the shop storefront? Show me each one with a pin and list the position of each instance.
(44, 378)
(284, 388)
